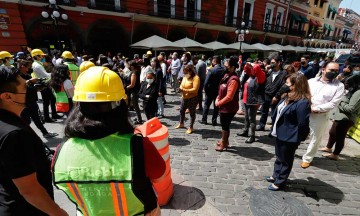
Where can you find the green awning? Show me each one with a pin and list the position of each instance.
(335, 10)
(296, 17)
(326, 26)
(330, 28)
(304, 19)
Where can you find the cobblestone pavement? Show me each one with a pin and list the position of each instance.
(216, 183)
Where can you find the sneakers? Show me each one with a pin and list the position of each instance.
(259, 128)
(50, 135)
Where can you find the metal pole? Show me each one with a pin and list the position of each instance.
(240, 47)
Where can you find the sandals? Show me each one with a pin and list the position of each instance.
(331, 156)
(325, 149)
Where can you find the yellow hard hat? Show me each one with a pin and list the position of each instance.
(67, 55)
(85, 65)
(98, 84)
(149, 53)
(36, 52)
(5, 54)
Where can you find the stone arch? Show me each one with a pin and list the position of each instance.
(307, 44)
(204, 36)
(177, 33)
(224, 37)
(301, 43)
(286, 42)
(106, 35)
(44, 34)
(327, 46)
(313, 44)
(322, 46)
(145, 30)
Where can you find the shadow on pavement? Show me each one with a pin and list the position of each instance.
(208, 133)
(265, 139)
(53, 142)
(316, 189)
(346, 165)
(185, 198)
(176, 141)
(254, 153)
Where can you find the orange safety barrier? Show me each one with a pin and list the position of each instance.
(159, 135)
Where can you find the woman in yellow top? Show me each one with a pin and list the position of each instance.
(189, 88)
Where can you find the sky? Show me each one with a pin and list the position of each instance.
(352, 4)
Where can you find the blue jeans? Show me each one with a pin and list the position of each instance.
(265, 111)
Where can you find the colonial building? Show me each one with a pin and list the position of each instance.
(112, 25)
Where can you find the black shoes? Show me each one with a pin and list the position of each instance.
(49, 120)
(250, 139)
(259, 128)
(50, 135)
(203, 122)
(214, 123)
(56, 116)
(245, 133)
(270, 179)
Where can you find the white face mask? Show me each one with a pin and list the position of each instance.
(149, 81)
(187, 76)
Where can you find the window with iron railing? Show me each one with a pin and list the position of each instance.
(109, 5)
(58, 2)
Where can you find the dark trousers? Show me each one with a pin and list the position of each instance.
(32, 111)
(48, 99)
(337, 135)
(135, 104)
(225, 120)
(208, 100)
(200, 94)
(150, 109)
(250, 118)
(265, 110)
(190, 104)
(285, 154)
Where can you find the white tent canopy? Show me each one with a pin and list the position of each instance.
(188, 44)
(216, 45)
(156, 43)
(259, 46)
(244, 47)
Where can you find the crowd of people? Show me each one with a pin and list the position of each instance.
(96, 95)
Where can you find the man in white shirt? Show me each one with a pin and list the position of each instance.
(326, 92)
(175, 68)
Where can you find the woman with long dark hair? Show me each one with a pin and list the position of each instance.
(346, 115)
(291, 126)
(63, 87)
(102, 155)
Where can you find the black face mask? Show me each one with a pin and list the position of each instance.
(303, 63)
(331, 75)
(286, 89)
(30, 71)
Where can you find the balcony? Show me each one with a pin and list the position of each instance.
(274, 28)
(249, 24)
(181, 13)
(108, 5)
(58, 2)
(295, 32)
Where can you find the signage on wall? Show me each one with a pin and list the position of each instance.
(2, 11)
(4, 19)
(4, 27)
(5, 34)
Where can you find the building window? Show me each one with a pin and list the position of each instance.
(328, 12)
(333, 16)
(164, 8)
(316, 2)
(322, 3)
(248, 10)
(231, 12)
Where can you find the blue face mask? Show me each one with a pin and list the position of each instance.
(11, 61)
(42, 60)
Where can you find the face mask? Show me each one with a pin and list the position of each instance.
(331, 75)
(11, 61)
(286, 89)
(187, 76)
(153, 64)
(149, 81)
(272, 66)
(303, 63)
(23, 104)
(43, 60)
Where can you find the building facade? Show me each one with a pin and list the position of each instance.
(96, 26)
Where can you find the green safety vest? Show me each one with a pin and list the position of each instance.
(74, 72)
(62, 101)
(97, 175)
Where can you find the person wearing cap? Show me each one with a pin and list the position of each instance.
(46, 94)
(7, 59)
(227, 100)
(73, 68)
(103, 167)
(149, 54)
(149, 93)
(20, 55)
(25, 178)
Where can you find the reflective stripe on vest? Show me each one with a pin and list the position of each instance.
(74, 72)
(62, 101)
(97, 175)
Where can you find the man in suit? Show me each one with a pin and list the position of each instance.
(211, 86)
(275, 80)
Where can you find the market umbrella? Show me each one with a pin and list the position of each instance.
(188, 44)
(216, 45)
(156, 43)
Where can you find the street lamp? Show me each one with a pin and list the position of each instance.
(54, 12)
(308, 39)
(240, 32)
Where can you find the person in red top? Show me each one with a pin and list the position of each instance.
(228, 100)
(252, 96)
